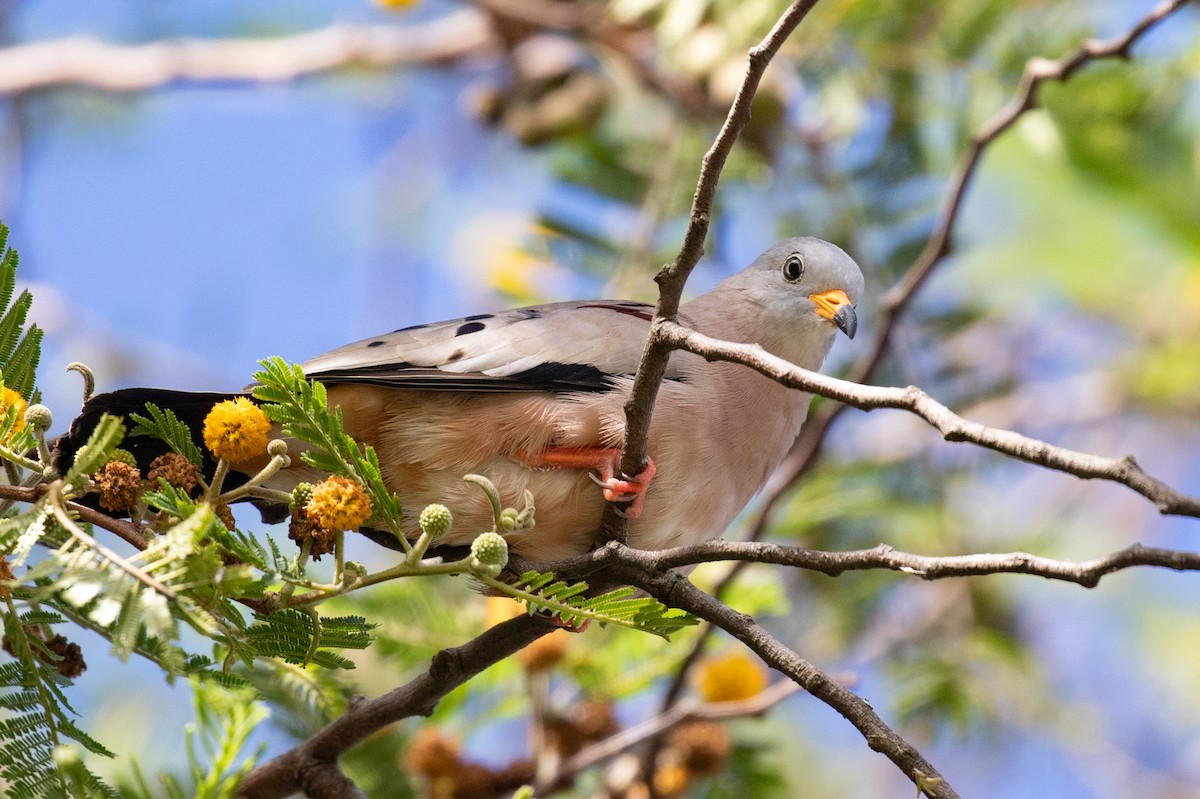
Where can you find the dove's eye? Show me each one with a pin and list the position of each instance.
(793, 268)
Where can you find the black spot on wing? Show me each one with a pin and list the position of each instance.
(527, 313)
(376, 344)
(411, 327)
(454, 356)
(469, 327)
(478, 316)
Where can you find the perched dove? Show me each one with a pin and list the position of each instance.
(532, 398)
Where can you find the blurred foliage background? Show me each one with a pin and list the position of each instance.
(175, 235)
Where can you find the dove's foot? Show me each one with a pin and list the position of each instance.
(604, 461)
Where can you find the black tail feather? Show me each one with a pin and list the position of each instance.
(190, 407)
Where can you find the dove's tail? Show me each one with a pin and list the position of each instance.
(189, 407)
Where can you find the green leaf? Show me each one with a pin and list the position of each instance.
(107, 436)
(20, 348)
(541, 592)
(164, 425)
(301, 407)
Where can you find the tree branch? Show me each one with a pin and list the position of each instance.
(85, 61)
(676, 591)
(128, 531)
(897, 300)
(313, 764)
(671, 279)
(952, 426)
(1086, 573)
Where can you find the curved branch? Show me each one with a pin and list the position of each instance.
(128, 531)
(896, 301)
(952, 426)
(313, 763)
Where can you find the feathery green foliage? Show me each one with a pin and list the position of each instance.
(20, 347)
(165, 425)
(541, 592)
(302, 408)
(305, 637)
(217, 762)
(37, 727)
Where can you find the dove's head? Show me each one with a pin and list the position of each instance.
(792, 300)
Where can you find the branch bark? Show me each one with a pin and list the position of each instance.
(85, 61)
(676, 591)
(1086, 573)
(312, 765)
(953, 427)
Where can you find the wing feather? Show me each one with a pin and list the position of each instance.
(566, 346)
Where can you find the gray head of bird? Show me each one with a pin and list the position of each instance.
(802, 291)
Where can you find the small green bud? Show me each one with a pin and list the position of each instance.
(435, 520)
(352, 572)
(508, 520)
(301, 494)
(38, 417)
(489, 554)
(122, 455)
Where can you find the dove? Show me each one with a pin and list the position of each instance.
(532, 398)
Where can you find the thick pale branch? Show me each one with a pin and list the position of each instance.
(952, 426)
(313, 764)
(84, 61)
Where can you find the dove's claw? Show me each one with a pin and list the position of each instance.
(604, 461)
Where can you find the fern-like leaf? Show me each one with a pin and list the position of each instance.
(297, 637)
(107, 436)
(164, 425)
(541, 592)
(20, 348)
(302, 408)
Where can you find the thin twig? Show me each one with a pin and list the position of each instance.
(674, 590)
(60, 513)
(1086, 573)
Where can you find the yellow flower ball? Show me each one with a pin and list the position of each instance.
(11, 399)
(338, 503)
(236, 430)
(730, 677)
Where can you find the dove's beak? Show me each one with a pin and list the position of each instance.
(837, 308)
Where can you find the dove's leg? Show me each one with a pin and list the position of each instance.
(604, 461)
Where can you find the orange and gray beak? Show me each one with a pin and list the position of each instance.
(837, 308)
